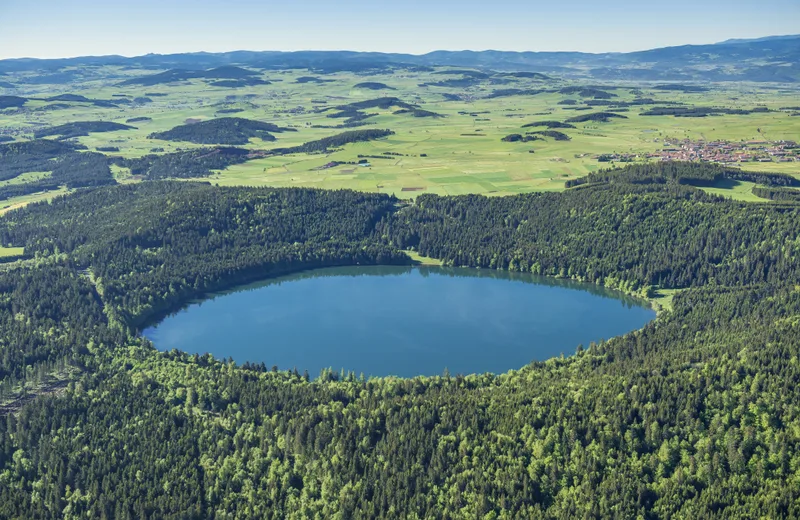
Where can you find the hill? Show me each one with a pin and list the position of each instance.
(170, 76)
(80, 128)
(761, 59)
(75, 98)
(373, 85)
(239, 83)
(12, 101)
(223, 130)
(184, 164)
(756, 40)
(64, 163)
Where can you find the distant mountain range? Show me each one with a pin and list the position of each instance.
(764, 39)
(769, 59)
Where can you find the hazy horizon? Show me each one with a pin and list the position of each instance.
(202, 51)
(56, 29)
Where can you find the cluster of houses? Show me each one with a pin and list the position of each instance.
(724, 152)
(729, 152)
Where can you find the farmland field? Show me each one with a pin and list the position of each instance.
(458, 150)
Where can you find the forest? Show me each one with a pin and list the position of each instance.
(239, 83)
(12, 101)
(507, 92)
(223, 130)
(173, 75)
(588, 92)
(601, 117)
(695, 89)
(699, 111)
(310, 79)
(31, 156)
(694, 416)
(776, 193)
(373, 85)
(519, 138)
(76, 98)
(80, 128)
(65, 164)
(548, 124)
(417, 112)
(185, 164)
(335, 141)
(682, 173)
(354, 115)
(555, 134)
(384, 103)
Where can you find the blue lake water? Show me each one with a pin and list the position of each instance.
(401, 321)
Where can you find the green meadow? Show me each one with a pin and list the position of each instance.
(736, 190)
(11, 251)
(458, 153)
(18, 202)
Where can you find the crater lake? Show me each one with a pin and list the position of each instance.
(403, 321)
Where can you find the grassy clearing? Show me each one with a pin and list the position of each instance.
(422, 260)
(19, 202)
(122, 175)
(26, 178)
(662, 300)
(11, 251)
(736, 190)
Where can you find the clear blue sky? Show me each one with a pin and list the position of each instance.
(60, 28)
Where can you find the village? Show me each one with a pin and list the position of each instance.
(723, 152)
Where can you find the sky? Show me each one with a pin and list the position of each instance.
(66, 28)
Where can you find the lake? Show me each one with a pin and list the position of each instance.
(403, 321)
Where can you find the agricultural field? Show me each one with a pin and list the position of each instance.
(449, 126)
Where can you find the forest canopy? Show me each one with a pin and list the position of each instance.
(693, 416)
(80, 128)
(223, 130)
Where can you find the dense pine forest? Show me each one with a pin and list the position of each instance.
(225, 130)
(695, 416)
(185, 164)
(80, 128)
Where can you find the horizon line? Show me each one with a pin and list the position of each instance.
(729, 41)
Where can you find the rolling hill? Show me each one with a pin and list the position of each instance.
(766, 59)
